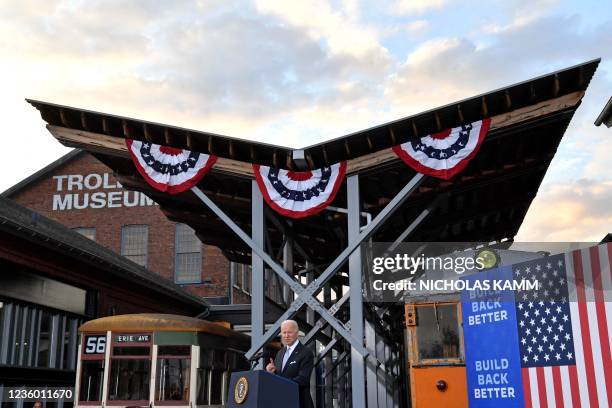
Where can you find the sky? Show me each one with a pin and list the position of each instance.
(294, 73)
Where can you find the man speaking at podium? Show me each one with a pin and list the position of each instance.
(294, 361)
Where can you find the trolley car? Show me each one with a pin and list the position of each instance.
(156, 359)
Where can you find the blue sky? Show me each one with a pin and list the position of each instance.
(295, 73)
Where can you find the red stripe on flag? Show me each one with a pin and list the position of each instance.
(526, 388)
(584, 329)
(602, 322)
(542, 387)
(573, 375)
(556, 372)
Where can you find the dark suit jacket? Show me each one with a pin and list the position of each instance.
(298, 368)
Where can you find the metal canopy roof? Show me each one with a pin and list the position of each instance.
(486, 202)
(19, 221)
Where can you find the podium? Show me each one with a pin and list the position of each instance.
(260, 389)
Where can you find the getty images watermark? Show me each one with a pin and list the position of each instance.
(409, 271)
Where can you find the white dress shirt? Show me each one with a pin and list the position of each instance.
(288, 353)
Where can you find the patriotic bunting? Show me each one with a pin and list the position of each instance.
(169, 169)
(444, 154)
(302, 194)
(299, 194)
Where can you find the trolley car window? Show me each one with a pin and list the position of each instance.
(437, 332)
(202, 390)
(203, 385)
(92, 375)
(130, 369)
(92, 367)
(173, 368)
(131, 351)
(129, 380)
(219, 359)
(216, 386)
(174, 351)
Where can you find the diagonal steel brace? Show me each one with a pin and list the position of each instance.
(306, 295)
(320, 324)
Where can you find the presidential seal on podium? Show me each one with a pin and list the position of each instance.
(241, 390)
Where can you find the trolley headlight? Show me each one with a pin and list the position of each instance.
(488, 259)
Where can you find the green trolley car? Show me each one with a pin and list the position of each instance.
(156, 360)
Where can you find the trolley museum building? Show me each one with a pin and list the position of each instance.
(53, 280)
(81, 193)
(464, 172)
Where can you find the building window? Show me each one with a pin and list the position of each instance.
(134, 239)
(34, 337)
(242, 277)
(274, 289)
(89, 232)
(188, 256)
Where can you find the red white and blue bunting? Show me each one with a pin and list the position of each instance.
(169, 169)
(299, 194)
(302, 194)
(444, 154)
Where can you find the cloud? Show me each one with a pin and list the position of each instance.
(416, 6)
(442, 70)
(93, 29)
(435, 73)
(582, 213)
(218, 66)
(296, 73)
(340, 29)
(418, 26)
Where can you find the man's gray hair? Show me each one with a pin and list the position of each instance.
(293, 323)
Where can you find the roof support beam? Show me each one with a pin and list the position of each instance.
(307, 295)
(355, 289)
(100, 143)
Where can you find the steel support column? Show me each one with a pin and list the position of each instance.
(310, 319)
(305, 295)
(356, 299)
(329, 381)
(287, 294)
(370, 340)
(257, 269)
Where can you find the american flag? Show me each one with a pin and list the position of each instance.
(564, 334)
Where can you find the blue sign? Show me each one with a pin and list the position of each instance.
(492, 355)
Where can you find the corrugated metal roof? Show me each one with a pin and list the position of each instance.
(605, 116)
(18, 220)
(497, 102)
(486, 202)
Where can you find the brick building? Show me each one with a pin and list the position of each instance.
(51, 281)
(81, 193)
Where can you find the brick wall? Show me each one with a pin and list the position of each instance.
(99, 188)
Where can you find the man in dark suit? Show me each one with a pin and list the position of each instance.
(294, 361)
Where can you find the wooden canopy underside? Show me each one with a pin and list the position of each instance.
(487, 202)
